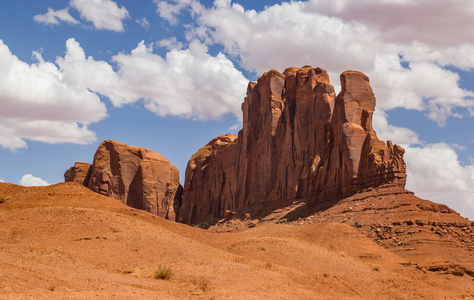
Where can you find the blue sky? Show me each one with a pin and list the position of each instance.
(171, 75)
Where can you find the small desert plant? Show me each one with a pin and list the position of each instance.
(239, 259)
(163, 273)
(268, 265)
(376, 268)
(3, 199)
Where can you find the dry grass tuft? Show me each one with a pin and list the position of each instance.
(163, 273)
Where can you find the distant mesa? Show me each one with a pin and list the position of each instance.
(299, 141)
(136, 176)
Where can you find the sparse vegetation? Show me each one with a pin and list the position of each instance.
(376, 268)
(3, 199)
(239, 260)
(163, 273)
(200, 286)
(268, 265)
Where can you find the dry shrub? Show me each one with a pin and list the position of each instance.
(163, 273)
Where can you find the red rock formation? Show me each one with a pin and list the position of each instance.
(136, 176)
(211, 180)
(80, 173)
(298, 141)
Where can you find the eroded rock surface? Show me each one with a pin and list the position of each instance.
(299, 140)
(136, 176)
(79, 173)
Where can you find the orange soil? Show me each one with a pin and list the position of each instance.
(66, 242)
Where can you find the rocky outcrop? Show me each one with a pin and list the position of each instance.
(136, 176)
(298, 141)
(79, 173)
(211, 180)
(428, 235)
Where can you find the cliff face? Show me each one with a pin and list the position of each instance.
(210, 181)
(79, 173)
(136, 176)
(298, 141)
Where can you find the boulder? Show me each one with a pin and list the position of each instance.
(299, 140)
(79, 173)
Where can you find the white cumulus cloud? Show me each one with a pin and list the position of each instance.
(30, 180)
(398, 135)
(170, 43)
(52, 17)
(38, 104)
(85, 73)
(189, 83)
(54, 102)
(424, 86)
(170, 10)
(104, 14)
(433, 22)
(434, 173)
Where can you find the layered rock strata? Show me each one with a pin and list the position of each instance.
(298, 141)
(136, 176)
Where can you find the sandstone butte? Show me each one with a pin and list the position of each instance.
(136, 176)
(299, 141)
(307, 156)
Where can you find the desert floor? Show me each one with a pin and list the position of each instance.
(66, 242)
